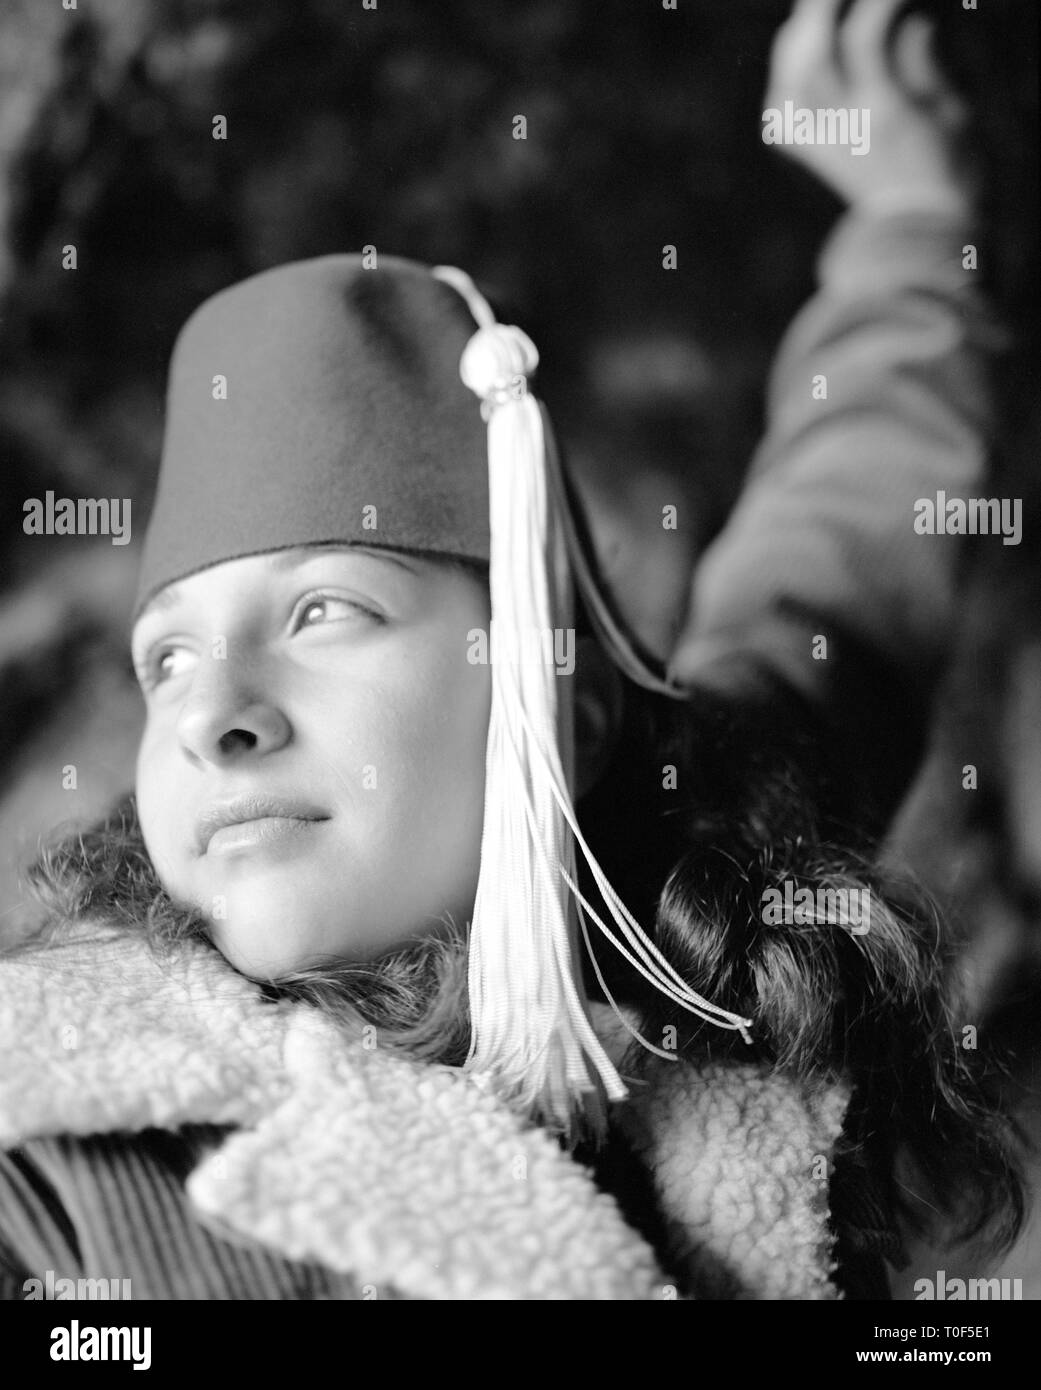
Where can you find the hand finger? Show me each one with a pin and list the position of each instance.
(812, 29)
(915, 63)
(824, 13)
(864, 39)
(913, 58)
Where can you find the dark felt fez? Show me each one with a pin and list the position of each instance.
(320, 401)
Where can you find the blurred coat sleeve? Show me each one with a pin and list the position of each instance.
(822, 540)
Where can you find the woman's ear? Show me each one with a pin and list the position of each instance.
(599, 703)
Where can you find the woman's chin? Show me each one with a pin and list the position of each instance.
(260, 950)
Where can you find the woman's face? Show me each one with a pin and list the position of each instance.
(311, 775)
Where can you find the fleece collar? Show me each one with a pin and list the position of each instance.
(405, 1175)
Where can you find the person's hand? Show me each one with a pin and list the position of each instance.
(903, 120)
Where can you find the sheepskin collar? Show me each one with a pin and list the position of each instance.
(405, 1175)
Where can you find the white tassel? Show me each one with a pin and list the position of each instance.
(531, 1036)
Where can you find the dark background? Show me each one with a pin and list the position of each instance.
(394, 127)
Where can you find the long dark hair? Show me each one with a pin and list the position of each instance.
(733, 797)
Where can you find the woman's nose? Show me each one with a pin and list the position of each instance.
(225, 717)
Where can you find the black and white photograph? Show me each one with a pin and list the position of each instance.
(520, 667)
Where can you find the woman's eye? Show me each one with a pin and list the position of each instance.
(166, 663)
(326, 608)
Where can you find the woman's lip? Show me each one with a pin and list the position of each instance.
(253, 807)
(256, 834)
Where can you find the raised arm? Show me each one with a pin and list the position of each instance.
(879, 398)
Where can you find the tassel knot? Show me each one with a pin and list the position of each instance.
(497, 362)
